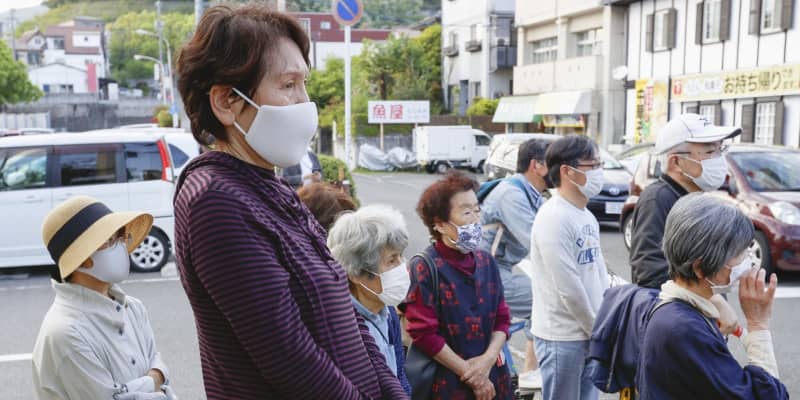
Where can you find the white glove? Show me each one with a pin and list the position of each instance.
(141, 396)
(168, 391)
(145, 384)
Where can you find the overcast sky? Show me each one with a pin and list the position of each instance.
(6, 5)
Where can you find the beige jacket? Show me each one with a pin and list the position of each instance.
(89, 345)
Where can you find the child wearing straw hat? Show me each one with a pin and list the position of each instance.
(95, 342)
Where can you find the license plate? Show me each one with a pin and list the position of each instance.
(614, 208)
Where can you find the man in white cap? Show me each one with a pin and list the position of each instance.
(692, 157)
(95, 342)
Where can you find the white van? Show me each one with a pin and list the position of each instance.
(440, 148)
(125, 169)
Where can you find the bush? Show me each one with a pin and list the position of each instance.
(481, 106)
(330, 173)
(164, 119)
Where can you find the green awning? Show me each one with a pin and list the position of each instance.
(516, 110)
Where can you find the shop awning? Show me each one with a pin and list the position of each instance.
(564, 103)
(515, 110)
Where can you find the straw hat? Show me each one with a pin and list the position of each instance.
(76, 228)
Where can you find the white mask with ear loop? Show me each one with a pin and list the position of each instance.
(281, 134)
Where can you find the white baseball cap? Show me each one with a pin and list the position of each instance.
(691, 128)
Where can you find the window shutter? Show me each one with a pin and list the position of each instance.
(777, 134)
(748, 120)
(755, 17)
(693, 109)
(725, 20)
(717, 114)
(698, 24)
(648, 35)
(672, 20)
(787, 9)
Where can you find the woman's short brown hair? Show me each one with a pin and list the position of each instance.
(229, 47)
(326, 202)
(434, 205)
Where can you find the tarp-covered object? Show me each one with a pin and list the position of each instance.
(373, 159)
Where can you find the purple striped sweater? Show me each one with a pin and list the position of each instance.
(273, 313)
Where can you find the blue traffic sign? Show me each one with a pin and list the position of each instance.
(348, 12)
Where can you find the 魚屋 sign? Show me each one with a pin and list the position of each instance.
(759, 82)
(399, 112)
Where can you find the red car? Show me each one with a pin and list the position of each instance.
(764, 182)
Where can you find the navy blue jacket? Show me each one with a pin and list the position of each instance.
(616, 336)
(683, 357)
(396, 340)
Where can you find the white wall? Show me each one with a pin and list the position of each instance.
(86, 39)
(59, 75)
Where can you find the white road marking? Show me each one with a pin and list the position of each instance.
(15, 357)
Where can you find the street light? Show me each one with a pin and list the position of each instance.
(139, 57)
(144, 32)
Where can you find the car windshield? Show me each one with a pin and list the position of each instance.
(609, 162)
(770, 172)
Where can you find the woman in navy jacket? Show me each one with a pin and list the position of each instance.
(684, 355)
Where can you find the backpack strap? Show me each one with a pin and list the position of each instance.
(673, 300)
(499, 235)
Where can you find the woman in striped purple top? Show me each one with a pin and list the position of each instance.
(272, 308)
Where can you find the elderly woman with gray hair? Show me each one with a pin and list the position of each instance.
(683, 354)
(369, 244)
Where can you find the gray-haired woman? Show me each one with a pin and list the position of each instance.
(683, 354)
(369, 244)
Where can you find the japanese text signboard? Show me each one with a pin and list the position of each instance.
(399, 112)
(770, 81)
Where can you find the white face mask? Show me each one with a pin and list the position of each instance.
(713, 176)
(594, 182)
(395, 283)
(111, 265)
(281, 134)
(736, 273)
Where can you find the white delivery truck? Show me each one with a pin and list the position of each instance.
(440, 148)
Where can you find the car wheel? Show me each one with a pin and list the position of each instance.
(429, 168)
(152, 253)
(442, 167)
(627, 231)
(759, 250)
(480, 167)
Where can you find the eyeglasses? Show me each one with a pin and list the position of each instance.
(713, 153)
(594, 165)
(119, 236)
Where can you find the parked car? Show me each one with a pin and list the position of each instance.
(439, 148)
(126, 170)
(763, 181)
(606, 206)
(183, 147)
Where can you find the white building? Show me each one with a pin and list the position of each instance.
(479, 50)
(567, 51)
(735, 61)
(327, 37)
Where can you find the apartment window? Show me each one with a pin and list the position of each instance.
(544, 50)
(476, 89)
(34, 58)
(708, 111)
(711, 18)
(660, 30)
(326, 25)
(765, 123)
(589, 42)
(58, 43)
(770, 15)
(453, 39)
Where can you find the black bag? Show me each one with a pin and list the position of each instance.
(421, 369)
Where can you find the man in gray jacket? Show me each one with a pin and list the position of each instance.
(509, 211)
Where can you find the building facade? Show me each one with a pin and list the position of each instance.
(734, 61)
(327, 37)
(566, 54)
(478, 51)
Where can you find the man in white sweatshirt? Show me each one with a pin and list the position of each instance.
(569, 268)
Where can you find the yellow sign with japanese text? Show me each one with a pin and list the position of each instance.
(779, 80)
(651, 109)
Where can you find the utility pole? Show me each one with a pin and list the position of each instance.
(13, 39)
(198, 11)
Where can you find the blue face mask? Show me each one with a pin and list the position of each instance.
(469, 237)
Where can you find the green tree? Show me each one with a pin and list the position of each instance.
(125, 42)
(391, 13)
(308, 5)
(15, 87)
(430, 43)
(482, 106)
(326, 89)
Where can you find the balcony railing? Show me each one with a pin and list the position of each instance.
(473, 46)
(450, 51)
(506, 56)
